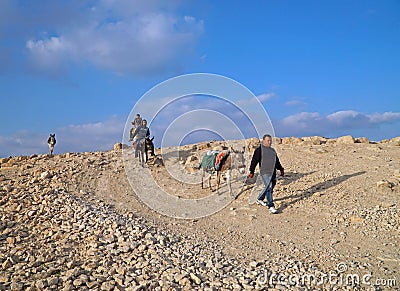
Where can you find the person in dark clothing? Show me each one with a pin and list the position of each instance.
(267, 159)
(51, 141)
(141, 132)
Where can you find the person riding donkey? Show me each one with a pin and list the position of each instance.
(141, 132)
(136, 123)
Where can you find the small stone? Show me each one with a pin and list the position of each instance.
(334, 242)
(178, 277)
(92, 284)
(6, 264)
(77, 282)
(11, 240)
(384, 184)
(45, 175)
(142, 248)
(17, 286)
(7, 188)
(195, 279)
(70, 264)
(254, 264)
(107, 286)
(53, 281)
(41, 284)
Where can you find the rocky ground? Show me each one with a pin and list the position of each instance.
(73, 222)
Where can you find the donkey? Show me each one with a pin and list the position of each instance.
(142, 151)
(51, 141)
(234, 161)
(149, 146)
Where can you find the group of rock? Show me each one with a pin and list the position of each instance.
(51, 239)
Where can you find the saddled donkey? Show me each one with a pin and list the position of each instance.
(234, 161)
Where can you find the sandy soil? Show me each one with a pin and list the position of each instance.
(331, 208)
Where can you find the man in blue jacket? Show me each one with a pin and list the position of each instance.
(265, 156)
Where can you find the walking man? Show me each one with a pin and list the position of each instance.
(267, 159)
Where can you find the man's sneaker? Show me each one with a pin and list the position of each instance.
(273, 210)
(260, 202)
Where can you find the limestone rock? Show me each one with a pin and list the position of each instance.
(384, 184)
(45, 175)
(347, 139)
(362, 140)
(291, 140)
(252, 144)
(191, 159)
(313, 140)
(7, 188)
(276, 140)
(395, 141)
(118, 146)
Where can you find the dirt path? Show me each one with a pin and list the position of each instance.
(331, 209)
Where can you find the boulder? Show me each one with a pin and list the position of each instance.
(118, 146)
(362, 140)
(313, 140)
(384, 184)
(203, 146)
(347, 139)
(191, 159)
(291, 140)
(395, 141)
(252, 144)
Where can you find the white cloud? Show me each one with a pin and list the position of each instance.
(302, 119)
(120, 37)
(337, 123)
(385, 117)
(266, 96)
(48, 55)
(296, 103)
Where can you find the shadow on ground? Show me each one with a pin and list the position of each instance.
(314, 189)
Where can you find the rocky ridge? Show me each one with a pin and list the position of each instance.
(64, 225)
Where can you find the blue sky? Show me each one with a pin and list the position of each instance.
(77, 68)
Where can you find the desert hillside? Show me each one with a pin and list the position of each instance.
(74, 222)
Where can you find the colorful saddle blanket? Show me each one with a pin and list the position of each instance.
(212, 160)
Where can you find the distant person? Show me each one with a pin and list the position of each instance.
(141, 132)
(51, 141)
(136, 123)
(267, 159)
